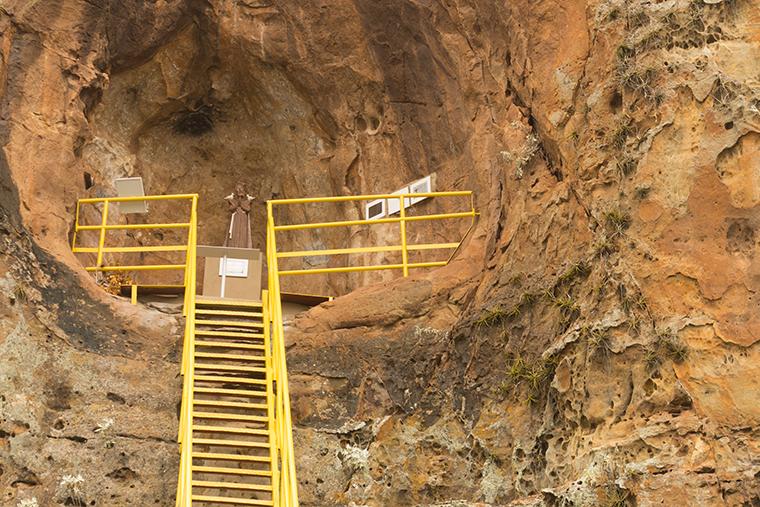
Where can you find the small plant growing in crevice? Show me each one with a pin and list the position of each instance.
(622, 132)
(615, 496)
(566, 305)
(631, 302)
(723, 93)
(598, 341)
(642, 193)
(524, 155)
(497, 315)
(637, 79)
(70, 490)
(617, 221)
(604, 247)
(672, 345)
(18, 294)
(576, 270)
(490, 317)
(527, 299)
(611, 493)
(626, 166)
(534, 376)
(633, 324)
(652, 359)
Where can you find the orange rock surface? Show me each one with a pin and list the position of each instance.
(594, 341)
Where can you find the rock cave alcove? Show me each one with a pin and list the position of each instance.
(202, 114)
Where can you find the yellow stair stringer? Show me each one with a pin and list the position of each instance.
(228, 426)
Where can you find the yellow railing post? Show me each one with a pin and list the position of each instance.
(190, 373)
(76, 229)
(269, 365)
(402, 223)
(102, 240)
(286, 486)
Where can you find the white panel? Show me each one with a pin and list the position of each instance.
(423, 186)
(131, 187)
(393, 204)
(237, 268)
(374, 209)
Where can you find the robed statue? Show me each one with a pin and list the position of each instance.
(239, 232)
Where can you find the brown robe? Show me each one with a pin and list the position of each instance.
(239, 231)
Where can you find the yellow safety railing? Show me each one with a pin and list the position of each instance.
(189, 283)
(104, 228)
(287, 487)
(402, 219)
(185, 437)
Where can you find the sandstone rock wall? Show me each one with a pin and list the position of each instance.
(594, 343)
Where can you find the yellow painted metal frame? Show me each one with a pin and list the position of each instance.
(402, 220)
(185, 437)
(190, 273)
(104, 227)
(282, 456)
(285, 483)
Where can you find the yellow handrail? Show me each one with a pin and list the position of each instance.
(184, 484)
(189, 282)
(403, 218)
(284, 478)
(285, 487)
(104, 227)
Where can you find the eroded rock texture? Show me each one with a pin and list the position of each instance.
(593, 343)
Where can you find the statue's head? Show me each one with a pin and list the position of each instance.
(240, 190)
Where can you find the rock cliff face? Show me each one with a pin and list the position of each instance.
(593, 343)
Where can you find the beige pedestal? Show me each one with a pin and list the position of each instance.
(235, 286)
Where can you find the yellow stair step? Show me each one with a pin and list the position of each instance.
(229, 345)
(234, 334)
(226, 302)
(231, 357)
(230, 443)
(230, 457)
(233, 404)
(227, 323)
(229, 417)
(231, 471)
(225, 499)
(232, 485)
(231, 380)
(227, 429)
(231, 313)
(229, 367)
(230, 392)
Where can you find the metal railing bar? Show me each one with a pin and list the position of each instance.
(145, 267)
(343, 198)
(170, 197)
(344, 223)
(133, 249)
(349, 269)
(178, 225)
(369, 249)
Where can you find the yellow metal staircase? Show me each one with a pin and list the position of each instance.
(235, 428)
(232, 442)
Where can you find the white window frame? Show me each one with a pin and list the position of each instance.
(394, 204)
(371, 205)
(423, 186)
